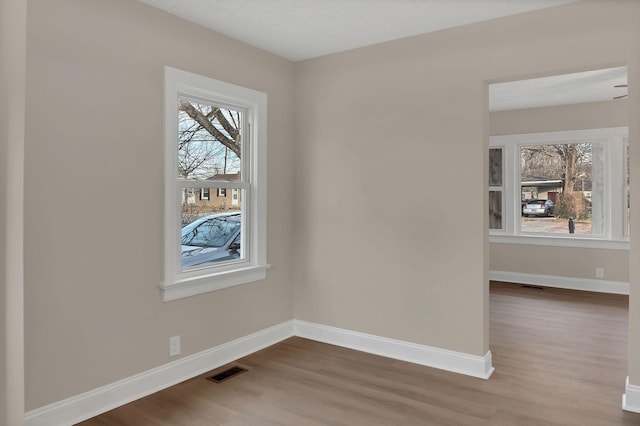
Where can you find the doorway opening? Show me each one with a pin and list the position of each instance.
(559, 226)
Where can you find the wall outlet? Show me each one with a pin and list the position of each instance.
(174, 345)
(599, 272)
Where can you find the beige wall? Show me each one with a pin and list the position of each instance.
(560, 261)
(391, 268)
(93, 238)
(593, 115)
(405, 116)
(12, 121)
(4, 283)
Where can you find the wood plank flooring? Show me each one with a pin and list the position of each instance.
(560, 358)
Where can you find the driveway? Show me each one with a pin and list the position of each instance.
(554, 225)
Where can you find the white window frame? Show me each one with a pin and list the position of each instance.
(614, 235)
(253, 264)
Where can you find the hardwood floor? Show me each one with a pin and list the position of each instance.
(560, 358)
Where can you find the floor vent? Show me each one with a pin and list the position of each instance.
(227, 374)
(537, 287)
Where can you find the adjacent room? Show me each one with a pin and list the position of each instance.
(327, 198)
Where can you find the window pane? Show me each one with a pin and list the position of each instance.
(199, 202)
(559, 184)
(495, 209)
(495, 167)
(209, 141)
(210, 229)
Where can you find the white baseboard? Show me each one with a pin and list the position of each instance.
(584, 284)
(105, 398)
(89, 404)
(631, 398)
(458, 362)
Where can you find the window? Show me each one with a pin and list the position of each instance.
(495, 188)
(560, 188)
(215, 139)
(565, 182)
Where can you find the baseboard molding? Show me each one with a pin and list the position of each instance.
(584, 284)
(631, 398)
(89, 404)
(458, 362)
(100, 400)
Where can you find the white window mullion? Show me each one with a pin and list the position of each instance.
(601, 200)
(512, 172)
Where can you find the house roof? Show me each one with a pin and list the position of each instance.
(539, 181)
(226, 176)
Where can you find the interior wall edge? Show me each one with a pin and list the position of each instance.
(12, 134)
(631, 398)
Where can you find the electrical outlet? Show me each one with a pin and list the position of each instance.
(174, 345)
(599, 272)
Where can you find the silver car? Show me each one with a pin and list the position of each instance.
(538, 208)
(211, 239)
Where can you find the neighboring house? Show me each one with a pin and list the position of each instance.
(215, 199)
(533, 187)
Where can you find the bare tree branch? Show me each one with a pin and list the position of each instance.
(233, 142)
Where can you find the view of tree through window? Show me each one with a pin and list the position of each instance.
(209, 141)
(209, 148)
(557, 184)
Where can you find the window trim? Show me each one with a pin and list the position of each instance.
(202, 194)
(614, 235)
(177, 284)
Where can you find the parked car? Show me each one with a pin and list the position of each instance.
(539, 208)
(213, 238)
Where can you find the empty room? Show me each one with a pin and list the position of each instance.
(389, 212)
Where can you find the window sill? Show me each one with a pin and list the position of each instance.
(560, 241)
(180, 289)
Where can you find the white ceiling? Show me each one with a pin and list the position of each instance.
(304, 29)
